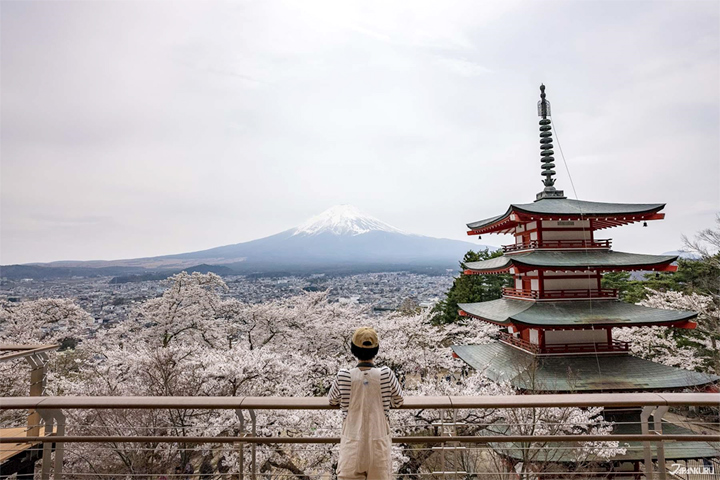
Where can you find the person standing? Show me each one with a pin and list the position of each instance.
(365, 394)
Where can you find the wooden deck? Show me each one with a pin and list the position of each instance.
(9, 450)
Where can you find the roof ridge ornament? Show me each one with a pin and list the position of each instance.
(546, 151)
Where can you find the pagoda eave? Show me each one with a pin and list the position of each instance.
(503, 363)
(576, 315)
(516, 215)
(578, 268)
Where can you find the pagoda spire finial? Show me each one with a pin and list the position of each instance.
(546, 151)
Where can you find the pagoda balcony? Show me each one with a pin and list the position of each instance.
(614, 346)
(572, 293)
(557, 244)
(518, 342)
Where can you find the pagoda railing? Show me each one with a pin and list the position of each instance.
(510, 339)
(613, 346)
(581, 293)
(557, 244)
(519, 292)
(559, 348)
(568, 293)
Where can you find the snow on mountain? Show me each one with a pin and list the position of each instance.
(343, 220)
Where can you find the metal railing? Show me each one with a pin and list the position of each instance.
(651, 404)
(558, 244)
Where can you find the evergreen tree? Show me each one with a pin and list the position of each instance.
(470, 288)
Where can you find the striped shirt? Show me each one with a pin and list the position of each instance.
(389, 385)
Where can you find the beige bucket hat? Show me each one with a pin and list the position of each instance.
(365, 337)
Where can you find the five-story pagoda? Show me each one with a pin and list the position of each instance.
(559, 320)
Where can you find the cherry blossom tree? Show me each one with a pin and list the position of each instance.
(674, 347)
(193, 341)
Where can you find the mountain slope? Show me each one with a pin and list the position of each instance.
(339, 239)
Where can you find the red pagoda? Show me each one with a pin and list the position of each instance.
(558, 321)
(557, 317)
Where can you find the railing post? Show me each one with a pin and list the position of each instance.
(657, 417)
(241, 452)
(37, 389)
(645, 430)
(253, 446)
(47, 416)
(657, 412)
(59, 446)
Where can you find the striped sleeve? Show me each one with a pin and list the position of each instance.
(391, 389)
(340, 390)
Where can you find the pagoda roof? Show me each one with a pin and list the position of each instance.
(566, 452)
(572, 314)
(578, 373)
(605, 214)
(570, 260)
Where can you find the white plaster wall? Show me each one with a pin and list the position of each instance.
(569, 235)
(554, 337)
(533, 236)
(534, 284)
(518, 283)
(534, 339)
(565, 284)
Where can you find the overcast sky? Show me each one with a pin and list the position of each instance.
(136, 129)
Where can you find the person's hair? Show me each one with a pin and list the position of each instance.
(363, 353)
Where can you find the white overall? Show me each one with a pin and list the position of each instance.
(365, 440)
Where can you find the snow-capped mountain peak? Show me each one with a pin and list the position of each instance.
(343, 220)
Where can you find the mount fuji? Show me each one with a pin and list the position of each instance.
(341, 239)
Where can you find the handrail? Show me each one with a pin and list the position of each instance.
(409, 439)
(321, 403)
(23, 350)
(50, 408)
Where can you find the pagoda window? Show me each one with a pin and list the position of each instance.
(566, 337)
(518, 283)
(535, 284)
(533, 235)
(534, 337)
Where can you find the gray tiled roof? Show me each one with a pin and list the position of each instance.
(563, 452)
(572, 313)
(582, 373)
(566, 206)
(580, 258)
